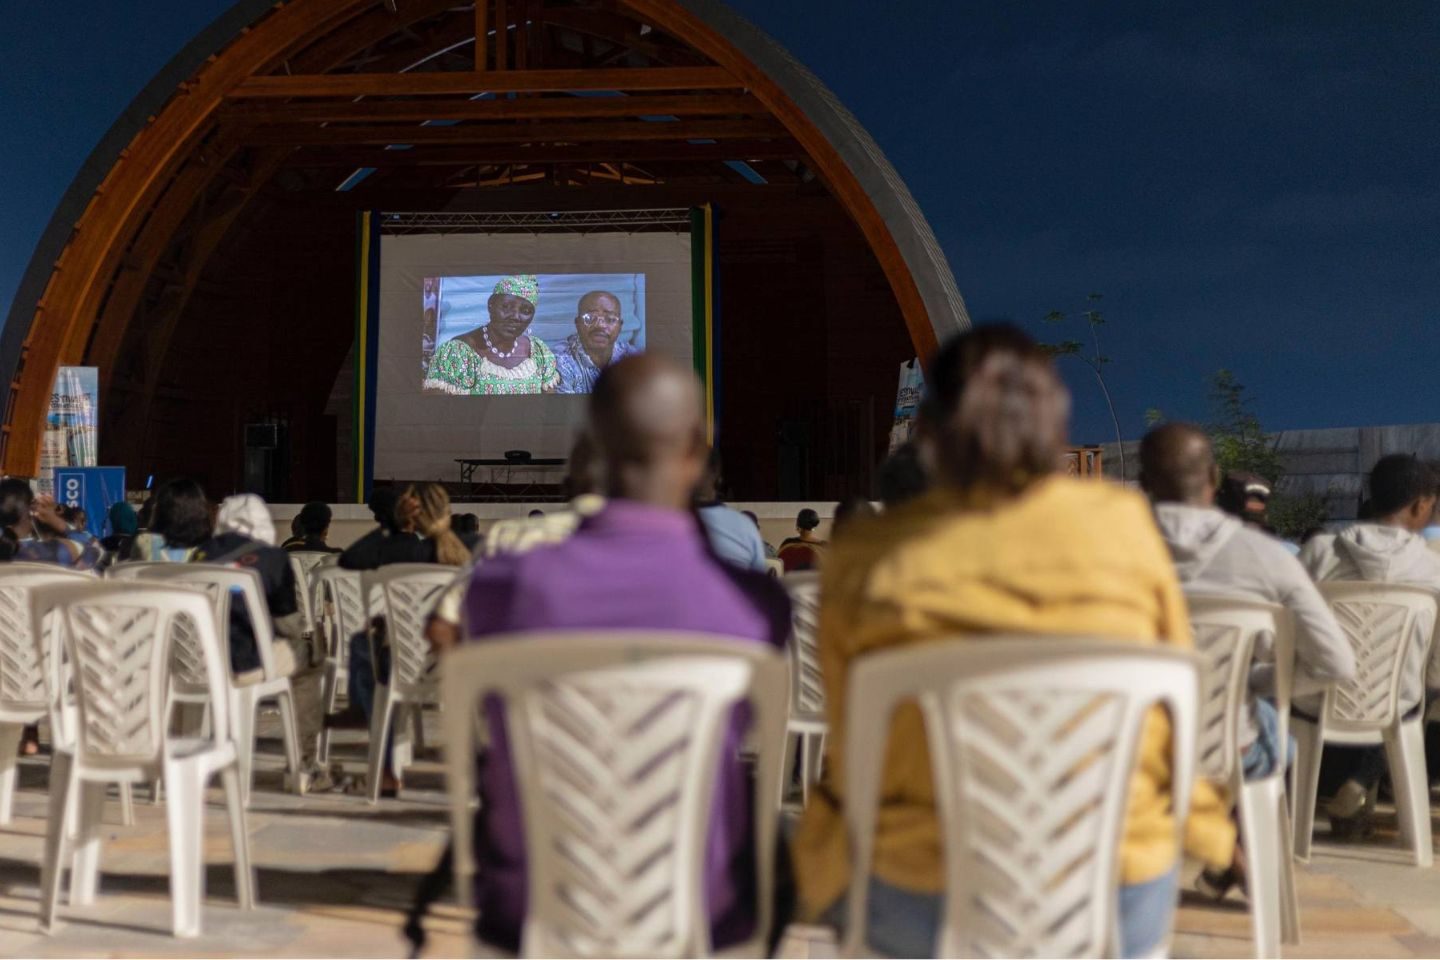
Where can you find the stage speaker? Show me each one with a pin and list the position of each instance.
(267, 460)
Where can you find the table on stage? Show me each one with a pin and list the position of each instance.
(503, 472)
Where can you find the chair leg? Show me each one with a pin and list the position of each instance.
(807, 771)
(10, 736)
(85, 865)
(291, 735)
(1289, 891)
(402, 743)
(379, 729)
(239, 839)
(1308, 749)
(1405, 751)
(57, 838)
(329, 684)
(127, 805)
(1259, 805)
(185, 816)
(242, 725)
(787, 771)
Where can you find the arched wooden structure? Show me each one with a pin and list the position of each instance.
(276, 99)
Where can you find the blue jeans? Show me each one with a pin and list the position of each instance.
(904, 923)
(360, 685)
(1262, 757)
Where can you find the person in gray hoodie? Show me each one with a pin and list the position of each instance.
(1217, 553)
(1386, 548)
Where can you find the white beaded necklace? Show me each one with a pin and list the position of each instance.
(485, 332)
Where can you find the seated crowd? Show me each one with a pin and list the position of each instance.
(979, 536)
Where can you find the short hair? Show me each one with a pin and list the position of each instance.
(463, 523)
(182, 513)
(995, 410)
(1177, 462)
(382, 503)
(1398, 480)
(314, 518)
(807, 519)
(15, 499)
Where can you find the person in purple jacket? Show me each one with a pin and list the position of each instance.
(641, 562)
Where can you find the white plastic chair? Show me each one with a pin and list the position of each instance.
(1228, 632)
(1379, 620)
(337, 597)
(404, 594)
(189, 685)
(1032, 746)
(805, 729)
(302, 564)
(604, 881)
(23, 697)
(116, 638)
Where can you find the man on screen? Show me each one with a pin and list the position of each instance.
(498, 357)
(594, 345)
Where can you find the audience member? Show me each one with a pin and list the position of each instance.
(35, 532)
(77, 523)
(123, 527)
(312, 529)
(466, 526)
(179, 522)
(244, 538)
(805, 550)
(1386, 548)
(1215, 553)
(1080, 558)
(901, 476)
(735, 539)
(641, 562)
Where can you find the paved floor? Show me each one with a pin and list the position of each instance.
(336, 876)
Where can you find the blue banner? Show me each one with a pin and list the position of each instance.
(92, 489)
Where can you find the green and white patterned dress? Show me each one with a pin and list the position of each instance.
(457, 369)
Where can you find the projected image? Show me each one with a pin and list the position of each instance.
(499, 335)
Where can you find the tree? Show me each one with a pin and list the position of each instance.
(1240, 442)
(1094, 359)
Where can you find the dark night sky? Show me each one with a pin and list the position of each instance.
(1253, 186)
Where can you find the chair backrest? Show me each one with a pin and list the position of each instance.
(807, 692)
(337, 594)
(616, 739)
(1032, 744)
(1231, 634)
(23, 652)
(116, 637)
(303, 564)
(1380, 621)
(222, 584)
(404, 594)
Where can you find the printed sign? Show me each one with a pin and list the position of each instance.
(92, 489)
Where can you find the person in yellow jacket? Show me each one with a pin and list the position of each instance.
(1003, 544)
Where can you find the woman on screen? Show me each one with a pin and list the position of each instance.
(498, 358)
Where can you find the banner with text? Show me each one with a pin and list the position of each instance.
(72, 424)
(92, 489)
(907, 402)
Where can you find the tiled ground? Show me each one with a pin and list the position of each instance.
(336, 875)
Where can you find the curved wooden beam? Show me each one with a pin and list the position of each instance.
(700, 23)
